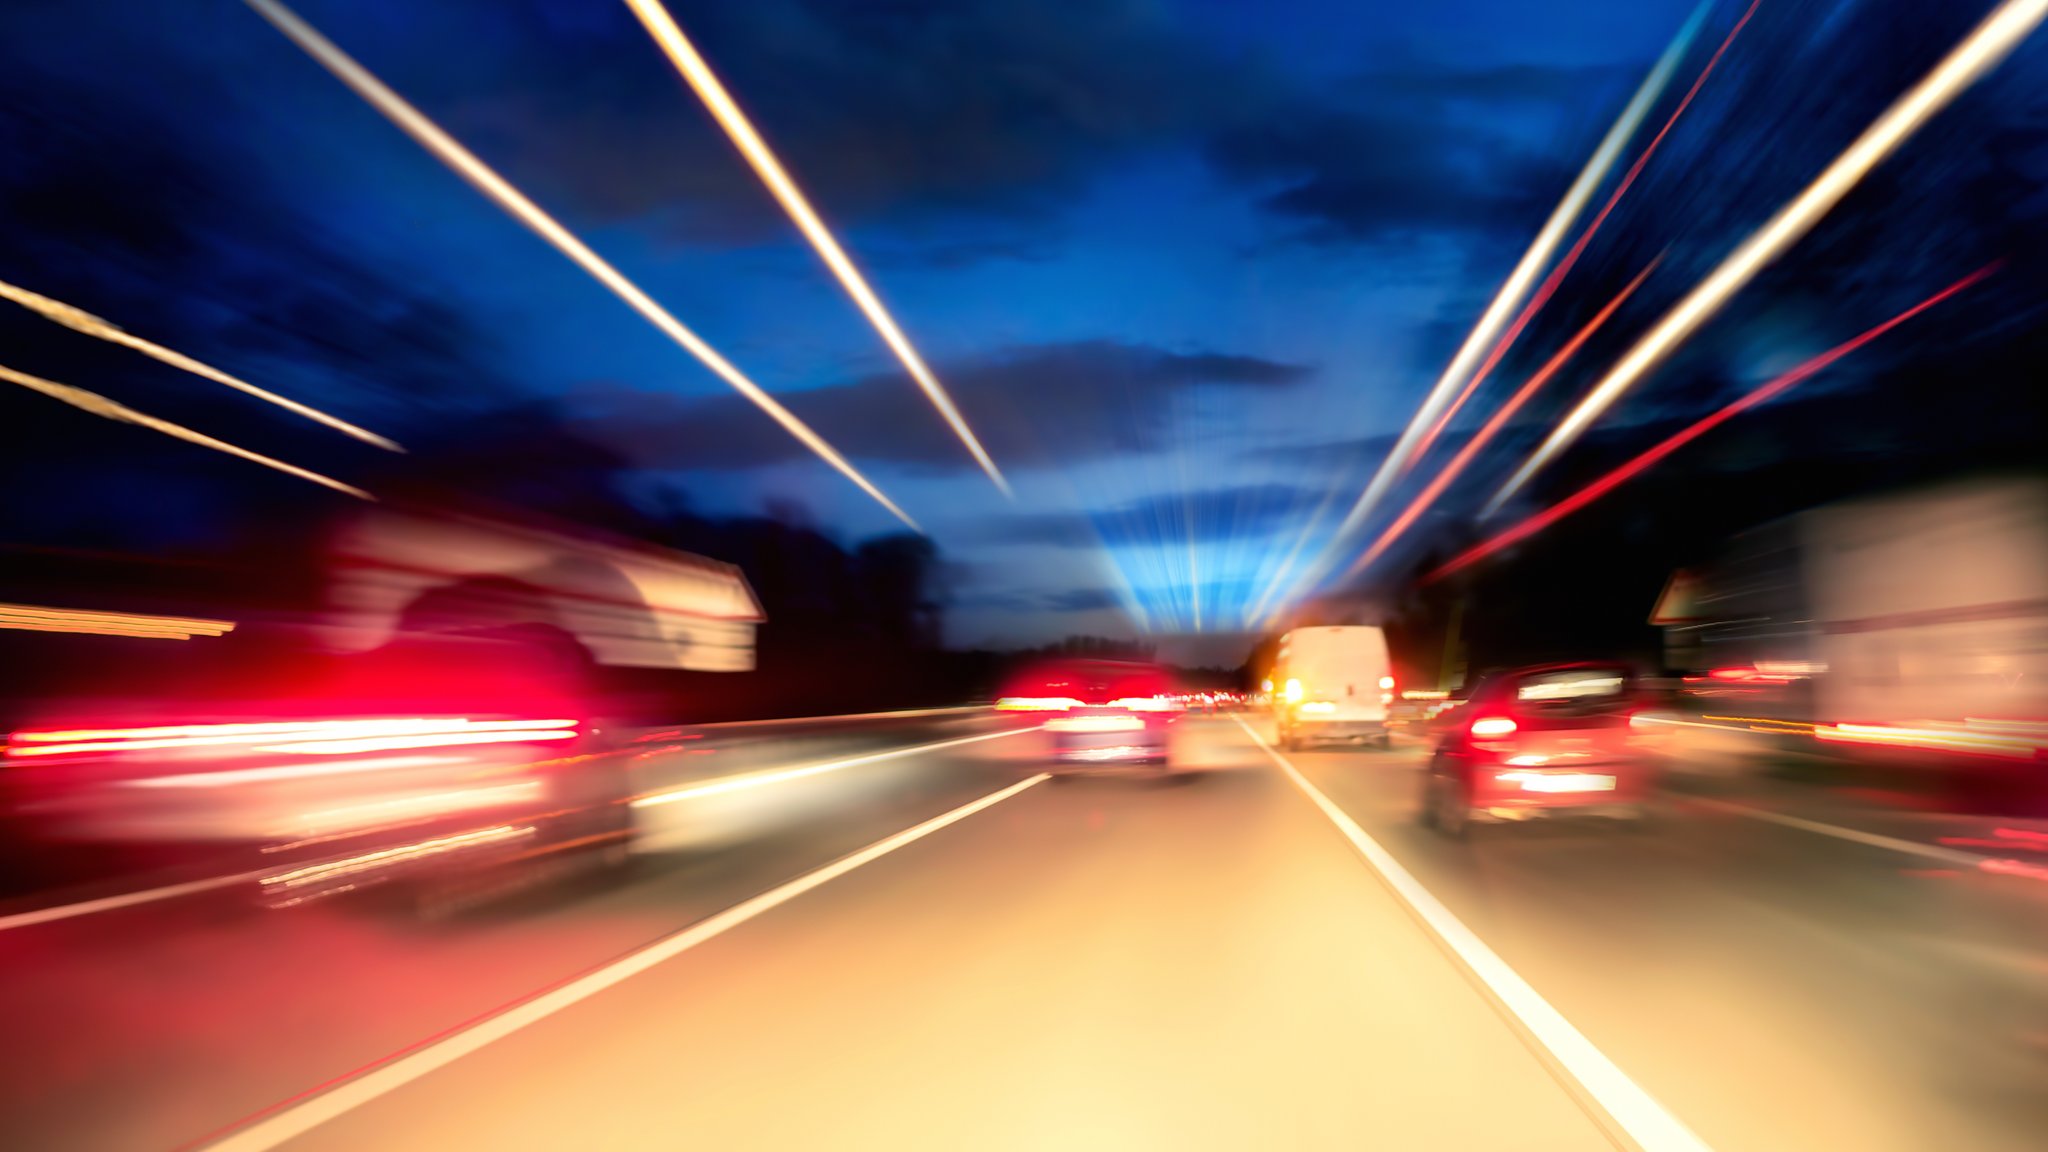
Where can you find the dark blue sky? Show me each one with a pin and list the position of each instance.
(1183, 265)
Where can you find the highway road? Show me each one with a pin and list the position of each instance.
(825, 944)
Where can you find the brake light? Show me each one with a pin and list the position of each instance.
(1487, 727)
(1147, 704)
(1386, 683)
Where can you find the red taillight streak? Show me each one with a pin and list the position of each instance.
(1492, 727)
(36, 744)
(1564, 266)
(1680, 439)
(428, 740)
(1493, 426)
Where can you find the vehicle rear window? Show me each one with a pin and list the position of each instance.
(1100, 683)
(1573, 691)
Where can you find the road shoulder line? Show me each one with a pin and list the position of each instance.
(1623, 1108)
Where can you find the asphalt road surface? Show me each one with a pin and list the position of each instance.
(941, 949)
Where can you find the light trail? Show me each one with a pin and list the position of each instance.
(1510, 294)
(465, 163)
(43, 618)
(1983, 48)
(1605, 484)
(1543, 294)
(727, 112)
(79, 320)
(99, 405)
(1494, 425)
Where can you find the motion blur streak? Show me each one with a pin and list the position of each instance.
(1512, 290)
(63, 743)
(778, 776)
(371, 861)
(1983, 48)
(426, 740)
(274, 1127)
(466, 164)
(1679, 439)
(39, 618)
(235, 776)
(99, 405)
(79, 320)
(684, 55)
(1493, 426)
(1641, 1121)
(1564, 266)
(1964, 738)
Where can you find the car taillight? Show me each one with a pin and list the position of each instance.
(1036, 704)
(1386, 683)
(1492, 727)
(1148, 704)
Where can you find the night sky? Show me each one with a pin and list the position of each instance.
(1186, 267)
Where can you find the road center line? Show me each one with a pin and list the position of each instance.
(1629, 1112)
(295, 1118)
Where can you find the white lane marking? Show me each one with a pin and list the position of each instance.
(1852, 835)
(1633, 1112)
(124, 900)
(298, 1119)
(746, 780)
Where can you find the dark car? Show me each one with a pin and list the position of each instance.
(1556, 739)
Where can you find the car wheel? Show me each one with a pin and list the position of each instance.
(1453, 815)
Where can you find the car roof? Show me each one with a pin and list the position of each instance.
(1563, 666)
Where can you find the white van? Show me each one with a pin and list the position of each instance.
(1332, 684)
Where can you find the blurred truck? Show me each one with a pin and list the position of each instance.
(1916, 620)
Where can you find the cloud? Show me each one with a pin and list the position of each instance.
(1350, 176)
(982, 114)
(1041, 405)
(990, 109)
(1081, 600)
(1208, 516)
(1415, 150)
(1499, 84)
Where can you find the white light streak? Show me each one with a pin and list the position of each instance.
(1978, 52)
(465, 163)
(99, 405)
(1511, 292)
(727, 111)
(79, 320)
